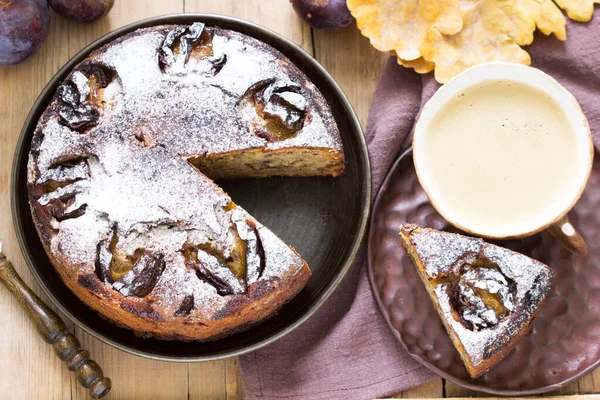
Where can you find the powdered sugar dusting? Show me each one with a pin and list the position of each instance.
(140, 184)
(440, 251)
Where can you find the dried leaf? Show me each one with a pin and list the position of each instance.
(400, 25)
(420, 65)
(578, 10)
(485, 37)
(520, 18)
(548, 18)
(452, 35)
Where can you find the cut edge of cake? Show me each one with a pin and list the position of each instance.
(288, 162)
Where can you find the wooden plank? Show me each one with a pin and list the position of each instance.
(456, 391)
(570, 389)
(215, 380)
(233, 379)
(353, 63)
(574, 388)
(135, 377)
(428, 390)
(453, 390)
(277, 15)
(590, 383)
(586, 385)
(207, 380)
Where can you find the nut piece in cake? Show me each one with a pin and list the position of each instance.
(487, 296)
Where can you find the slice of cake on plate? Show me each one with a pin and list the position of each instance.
(487, 296)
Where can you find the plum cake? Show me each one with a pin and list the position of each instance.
(487, 296)
(120, 178)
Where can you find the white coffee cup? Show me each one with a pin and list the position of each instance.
(436, 116)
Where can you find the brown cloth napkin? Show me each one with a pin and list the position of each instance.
(346, 349)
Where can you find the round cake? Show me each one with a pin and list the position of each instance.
(120, 178)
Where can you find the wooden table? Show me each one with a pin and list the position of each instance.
(28, 367)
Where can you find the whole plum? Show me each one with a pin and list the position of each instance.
(85, 11)
(323, 14)
(23, 28)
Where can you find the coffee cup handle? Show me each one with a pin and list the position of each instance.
(566, 234)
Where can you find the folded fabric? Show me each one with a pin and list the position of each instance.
(346, 349)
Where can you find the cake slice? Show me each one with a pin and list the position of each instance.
(487, 296)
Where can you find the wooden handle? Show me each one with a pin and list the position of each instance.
(54, 331)
(566, 234)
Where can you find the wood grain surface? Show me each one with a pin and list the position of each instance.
(28, 366)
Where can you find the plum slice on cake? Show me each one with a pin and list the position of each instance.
(487, 296)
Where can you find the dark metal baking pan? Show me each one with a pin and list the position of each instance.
(323, 218)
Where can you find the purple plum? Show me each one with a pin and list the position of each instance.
(323, 14)
(23, 28)
(84, 11)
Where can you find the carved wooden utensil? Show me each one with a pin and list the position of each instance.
(54, 331)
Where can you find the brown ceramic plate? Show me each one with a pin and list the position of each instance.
(564, 342)
(323, 218)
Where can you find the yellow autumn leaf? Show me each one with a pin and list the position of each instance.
(548, 18)
(452, 35)
(493, 30)
(484, 38)
(521, 18)
(400, 25)
(420, 65)
(579, 10)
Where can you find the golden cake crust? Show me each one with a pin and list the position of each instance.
(130, 223)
